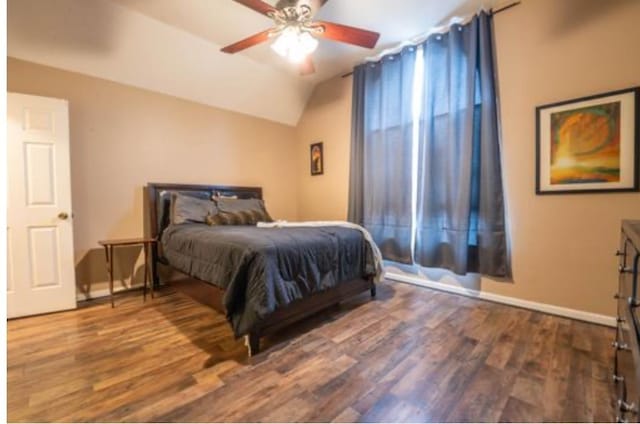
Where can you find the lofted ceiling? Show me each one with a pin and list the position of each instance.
(172, 46)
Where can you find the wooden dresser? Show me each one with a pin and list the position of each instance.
(626, 373)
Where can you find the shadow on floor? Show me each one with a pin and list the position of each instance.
(212, 333)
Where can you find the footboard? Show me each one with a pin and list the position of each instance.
(210, 295)
(305, 307)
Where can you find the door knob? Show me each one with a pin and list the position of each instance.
(620, 345)
(624, 269)
(63, 215)
(627, 407)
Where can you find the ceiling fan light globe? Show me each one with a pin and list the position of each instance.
(307, 43)
(280, 47)
(285, 40)
(295, 45)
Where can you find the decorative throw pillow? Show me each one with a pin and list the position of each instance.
(217, 196)
(252, 210)
(250, 217)
(227, 204)
(186, 209)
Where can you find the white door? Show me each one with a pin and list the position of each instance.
(40, 265)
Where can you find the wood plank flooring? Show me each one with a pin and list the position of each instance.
(412, 354)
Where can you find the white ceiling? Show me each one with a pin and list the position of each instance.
(172, 46)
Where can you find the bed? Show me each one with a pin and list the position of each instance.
(261, 279)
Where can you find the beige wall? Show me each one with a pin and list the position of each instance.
(326, 118)
(123, 137)
(547, 51)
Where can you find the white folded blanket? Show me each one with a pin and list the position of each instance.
(377, 256)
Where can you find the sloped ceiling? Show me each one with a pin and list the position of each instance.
(172, 46)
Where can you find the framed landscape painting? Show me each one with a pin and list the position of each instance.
(589, 144)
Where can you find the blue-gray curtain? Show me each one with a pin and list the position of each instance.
(460, 210)
(381, 152)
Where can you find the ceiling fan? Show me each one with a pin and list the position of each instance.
(296, 31)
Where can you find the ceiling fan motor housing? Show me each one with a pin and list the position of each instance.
(297, 16)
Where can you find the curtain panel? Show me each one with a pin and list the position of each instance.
(380, 189)
(460, 221)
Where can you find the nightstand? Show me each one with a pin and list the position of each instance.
(146, 243)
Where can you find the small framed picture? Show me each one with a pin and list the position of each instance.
(590, 144)
(317, 159)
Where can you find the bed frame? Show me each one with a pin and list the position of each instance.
(210, 294)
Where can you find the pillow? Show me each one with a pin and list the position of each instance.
(247, 217)
(239, 212)
(217, 196)
(185, 209)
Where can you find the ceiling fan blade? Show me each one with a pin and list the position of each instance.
(307, 67)
(247, 42)
(315, 4)
(257, 5)
(346, 34)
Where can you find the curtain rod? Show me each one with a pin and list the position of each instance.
(503, 8)
(491, 12)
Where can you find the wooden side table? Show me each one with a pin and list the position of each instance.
(146, 244)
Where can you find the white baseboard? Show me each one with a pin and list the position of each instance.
(507, 300)
(419, 281)
(94, 294)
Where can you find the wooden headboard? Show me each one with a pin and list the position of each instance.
(159, 197)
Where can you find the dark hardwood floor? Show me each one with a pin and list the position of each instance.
(412, 354)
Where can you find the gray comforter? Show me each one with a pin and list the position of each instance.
(263, 269)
